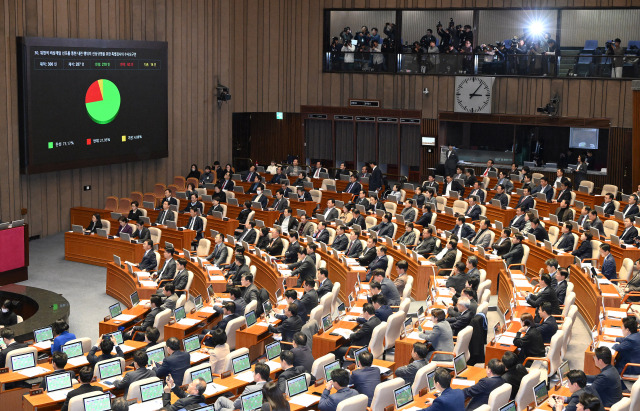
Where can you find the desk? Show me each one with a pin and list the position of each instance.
(139, 311)
(226, 227)
(325, 343)
(94, 250)
(254, 338)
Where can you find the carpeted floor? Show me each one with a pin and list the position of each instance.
(83, 286)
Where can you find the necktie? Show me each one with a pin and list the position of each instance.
(249, 177)
(164, 215)
(349, 248)
(350, 187)
(317, 174)
(191, 223)
(276, 204)
(225, 184)
(624, 232)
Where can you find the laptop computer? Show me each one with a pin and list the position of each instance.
(232, 201)
(204, 373)
(101, 232)
(77, 228)
(210, 291)
(108, 370)
(135, 299)
(217, 215)
(115, 310)
(273, 350)
(448, 210)
(618, 215)
(578, 205)
(57, 382)
(402, 396)
(594, 232)
(43, 334)
(459, 364)
(540, 393)
(116, 216)
(191, 343)
(171, 224)
(331, 187)
(562, 372)
(179, 313)
(327, 323)
(297, 385)
(548, 245)
(553, 218)
(117, 335)
(148, 205)
(615, 240)
(267, 307)
(532, 238)
(23, 361)
(510, 406)
(198, 302)
(145, 220)
(151, 393)
(181, 195)
(431, 381)
(250, 318)
(499, 225)
(252, 401)
(241, 363)
(73, 349)
(100, 402)
(328, 368)
(357, 353)
(117, 261)
(157, 355)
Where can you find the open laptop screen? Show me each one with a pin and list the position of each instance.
(252, 401)
(23, 361)
(157, 355)
(403, 396)
(204, 373)
(73, 350)
(115, 310)
(250, 317)
(297, 385)
(540, 393)
(97, 403)
(511, 406)
(135, 299)
(459, 364)
(191, 343)
(330, 367)
(109, 369)
(241, 363)
(151, 391)
(43, 334)
(59, 381)
(273, 350)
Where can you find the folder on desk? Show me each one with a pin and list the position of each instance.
(232, 201)
(102, 233)
(209, 186)
(499, 225)
(260, 223)
(514, 177)
(116, 216)
(256, 205)
(619, 215)
(145, 220)
(181, 195)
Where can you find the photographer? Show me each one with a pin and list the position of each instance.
(348, 50)
(346, 35)
(377, 59)
(426, 40)
(445, 38)
(374, 37)
(550, 54)
(334, 50)
(450, 59)
(417, 64)
(467, 60)
(618, 60)
(466, 34)
(535, 59)
(391, 30)
(454, 32)
(363, 37)
(521, 52)
(433, 60)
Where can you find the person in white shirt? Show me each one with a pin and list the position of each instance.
(272, 168)
(349, 57)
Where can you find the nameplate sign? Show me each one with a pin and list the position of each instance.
(410, 121)
(364, 103)
(337, 117)
(318, 116)
(387, 120)
(365, 118)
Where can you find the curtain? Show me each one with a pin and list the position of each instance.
(319, 139)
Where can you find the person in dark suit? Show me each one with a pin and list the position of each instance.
(374, 206)
(251, 292)
(462, 230)
(140, 361)
(477, 192)
(248, 234)
(515, 255)
(322, 234)
(215, 205)
(11, 344)
(85, 375)
(279, 203)
(95, 224)
(514, 373)
(544, 188)
(451, 161)
(228, 314)
(451, 185)
(194, 394)
(276, 245)
(362, 200)
(291, 325)
(170, 299)
(526, 201)
(148, 262)
(458, 278)
(324, 284)
(427, 244)
(135, 213)
(538, 230)
(561, 287)
(381, 262)
(419, 198)
(546, 294)
(227, 183)
(123, 227)
(287, 222)
(462, 320)
(219, 194)
(194, 203)
(176, 363)
(628, 346)
(291, 255)
(387, 287)
(331, 213)
(142, 233)
(357, 219)
(278, 176)
(235, 294)
(238, 269)
(155, 301)
(479, 393)
(369, 253)
(58, 362)
(473, 211)
(548, 327)
(608, 206)
(340, 242)
(260, 198)
(379, 301)
(251, 174)
(449, 256)
(578, 388)
(256, 184)
(365, 378)
(310, 297)
(607, 383)
(354, 186)
(584, 249)
(315, 172)
(165, 214)
(289, 370)
(385, 228)
(608, 268)
(449, 398)
(431, 184)
(339, 382)
(361, 337)
(291, 297)
(375, 181)
(304, 268)
(630, 233)
(595, 222)
(564, 212)
(565, 192)
(220, 253)
(505, 182)
(565, 240)
(303, 195)
(301, 352)
(528, 339)
(631, 209)
(168, 196)
(425, 219)
(106, 346)
(419, 359)
(181, 279)
(501, 196)
(354, 246)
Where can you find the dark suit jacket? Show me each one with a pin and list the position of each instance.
(326, 287)
(609, 208)
(353, 189)
(280, 205)
(291, 255)
(93, 359)
(275, 247)
(290, 373)
(333, 214)
(263, 200)
(169, 217)
(362, 337)
(547, 329)
(457, 281)
(631, 210)
(143, 234)
(525, 203)
(629, 236)
(450, 399)
(547, 295)
(572, 402)
(175, 364)
(608, 385)
(409, 371)
(541, 234)
(250, 294)
(303, 356)
(222, 325)
(3, 353)
(517, 222)
(461, 321)
(340, 243)
(365, 380)
(293, 223)
(227, 185)
(565, 243)
(425, 219)
(310, 300)
(148, 320)
(236, 273)
(426, 246)
(504, 200)
(183, 401)
(583, 251)
(448, 260)
(219, 254)
(215, 208)
(515, 255)
(628, 349)
(288, 327)
(375, 181)
(561, 291)
(181, 279)
(455, 186)
(379, 262)
(473, 212)
(354, 250)
(306, 268)
(322, 236)
(564, 195)
(367, 257)
(133, 376)
(530, 344)
(479, 393)
(249, 237)
(197, 226)
(514, 377)
(463, 231)
(148, 261)
(83, 389)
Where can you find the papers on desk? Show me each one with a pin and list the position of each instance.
(493, 256)
(273, 365)
(515, 277)
(142, 274)
(503, 339)
(148, 284)
(523, 303)
(460, 381)
(59, 395)
(428, 324)
(213, 388)
(216, 277)
(304, 400)
(521, 284)
(78, 361)
(126, 348)
(603, 280)
(43, 345)
(124, 317)
(342, 332)
(425, 262)
(189, 321)
(108, 382)
(610, 295)
(365, 286)
(285, 273)
(617, 332)
(196, 356)
(144, 302)
(616, 314)
(33, 371)
(412, 409)
(246, 376)
(262, 324)
(509, 334)
(351, 318)
(442, 291)
(351, 261)
(356, 310)
(357, 268)
(441, 282)
(208, 309)
(415, 335)
(609, 344)
(383, 370)
(148, 405)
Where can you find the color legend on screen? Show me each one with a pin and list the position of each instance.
(102, 101)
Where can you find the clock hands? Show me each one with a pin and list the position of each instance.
(472, 95)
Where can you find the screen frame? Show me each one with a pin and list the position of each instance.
(145, 385)
(106, 394)
(59, 375)
(395, 396)
(117, 360)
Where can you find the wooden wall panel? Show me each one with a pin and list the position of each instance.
(273, 139)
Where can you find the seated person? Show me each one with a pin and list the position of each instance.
(142, 233)
(193, 202)
(260, 378)
(124, 227)
(134, 213)
(528, 339)
(194, 394)
(58, 362)
(7, 316)
(607, 383)
(365, 378)
(149, 319)
(479, 393)
(628, 346)
(86, 375)
(291, 325)
(408, 237)
(577, 387)
(339, 382)
(61, 336)
(514, 373)
(140, 371)
(95, 224)
(449, 398)
(106, 344)
(419, 359)
(440, 337)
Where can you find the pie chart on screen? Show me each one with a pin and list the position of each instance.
(102, 101)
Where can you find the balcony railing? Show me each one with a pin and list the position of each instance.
(529, 65)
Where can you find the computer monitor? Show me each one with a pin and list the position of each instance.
(267, 307)
(562, 371)
(204, 373)
(358, 352)
(117, 335)
(191, 343)
(252, 401)
(341, 308)
(43, 334)
(330, 367)
(115, 310)
(210, 291)
(540, 393)
(56, 382)
(326, 322)
(100, 402)
(198, 302)
(241, 363)
(273, 350)
(408, 325)
(135, 299)
(431, 380)
(23, 361)
(151, 391)
(156, 355)
(109, 369)
(297, 385)
(403, 396)
(511, 406)
(250, 317)
(73, 349)
(459, 364)
(179, 313)
(117, 261)
(278, 295)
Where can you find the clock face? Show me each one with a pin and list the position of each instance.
(473, 94)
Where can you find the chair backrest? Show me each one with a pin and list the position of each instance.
(204, 247)
(460, 206)
(486, 284)
(395, 324)
(111, 203)
(483, 407)
(134, 389)
(383, 394)
(635, 396)
(316, 314)
(626, 269)
(156, 235)
(408, 287)
(86, 343)
(316, 195)
(106, 224)
(595, 250)
(588, 184)
(158, 189)
(187, 374)
(96, 368)
(162, 319)
(609, 188)
(335, 291)
(391, 207)
(499, 396)
(555, 351)
(310, 329)
(458, 256)
(525, 257)
(204, 221)
(403, 195)
(462, 343)
(285, 245)
(569, 300)
(524, 396)
(325, 303)
(486, 295)
(233, 326)
(420, 381)
(570, 287)
(356, 403)
(553, 234)
(610, 227)
(370, 221)
(124, 204)
(20, 351)
(441, 203)
(573, 197)
(616, 205)
(622, 405)
(483, 212)
(77, 403)
(332, 235)
(390, 262)
(416, 233)
(180, 182)
(483, 307)
(567, 328)
(136, 196)
(404, 305)
(317, 369)
(252, 306)
(189, 281)
(234, 354)
(376, 345)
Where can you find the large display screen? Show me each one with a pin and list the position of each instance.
(91, 102)
(585, 138)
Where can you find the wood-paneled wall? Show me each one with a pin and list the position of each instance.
(273, 139)
(269, 52)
